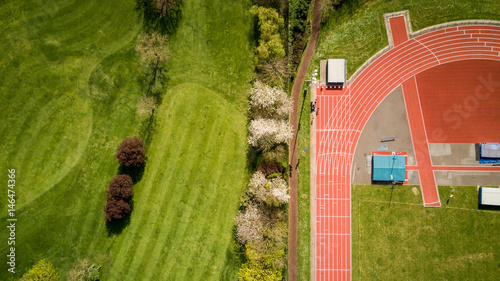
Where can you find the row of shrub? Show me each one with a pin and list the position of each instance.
(131, 154)
(261, 226)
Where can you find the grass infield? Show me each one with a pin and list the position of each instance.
(399, 239)
(69, 91)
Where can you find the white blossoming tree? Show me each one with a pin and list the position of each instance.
(269, 102)
(265, 133)
(272, 192)
(250, 225)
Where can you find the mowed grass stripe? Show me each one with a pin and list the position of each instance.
(96, 198)
(95, 214)
(168, 216)
(154, 264)
(99, 22)
(146, 193)
(213, 233)
(43, 103)
(174, 215)
(195, 245)
(189, 234)
(195, 157)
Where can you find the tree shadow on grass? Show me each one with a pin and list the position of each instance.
(116, 227)
(148, 129)
(136, 173)
(234, 259)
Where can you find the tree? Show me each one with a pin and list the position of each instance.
(163, 6)
(83, 271)
(268, 102)
(116, 208)
(160, 15)
(131, 152)
(273, 192)
(274, 71)
(121, 187)
(270, 23)
(271, 167)
(252, 271)
(153, 56)
(250, 225)
(43, 270)
(264, 133)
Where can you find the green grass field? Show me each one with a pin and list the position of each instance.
(304, 191)
(399, 239)
(69, 91)
(356, 32)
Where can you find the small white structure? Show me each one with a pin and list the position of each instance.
(335, 72)
(489, 196)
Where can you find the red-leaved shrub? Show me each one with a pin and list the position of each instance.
(116, 208)
(121, 187)
(131, 152)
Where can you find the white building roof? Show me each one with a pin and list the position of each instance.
(489, 196)
(335, 71)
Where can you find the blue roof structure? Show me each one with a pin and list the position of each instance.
(389, 168)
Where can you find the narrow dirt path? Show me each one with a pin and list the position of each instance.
(297, 86)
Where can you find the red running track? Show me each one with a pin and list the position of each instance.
(460, 101)
(343, 114)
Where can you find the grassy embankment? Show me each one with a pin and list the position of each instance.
(69, 92)
(356, 32)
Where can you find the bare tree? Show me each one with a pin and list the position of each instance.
(153, 56)
(163, 6)
(160, 15)
(274, 71)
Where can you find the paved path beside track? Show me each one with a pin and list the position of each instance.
(293, 152)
